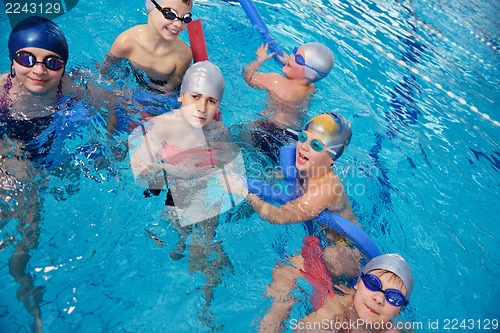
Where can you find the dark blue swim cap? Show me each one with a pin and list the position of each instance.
(38, 32)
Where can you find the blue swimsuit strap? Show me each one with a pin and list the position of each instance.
(336, 222)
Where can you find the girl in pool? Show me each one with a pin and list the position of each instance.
(39, 53)
(32, 95)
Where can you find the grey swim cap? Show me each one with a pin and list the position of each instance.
(150, 6)
(319, 57)
(203, 78)
(333, 130)
(396, 264)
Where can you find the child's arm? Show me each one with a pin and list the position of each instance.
(304, 208)
(334, 310)
(250, 75)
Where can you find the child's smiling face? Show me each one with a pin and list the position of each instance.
(372, 306)
(310, 161)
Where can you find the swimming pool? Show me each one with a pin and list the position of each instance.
(419, 82)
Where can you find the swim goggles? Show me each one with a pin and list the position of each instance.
(393, 296)
(315, 144)
(28, 59)
(171, 14)
(299, 59)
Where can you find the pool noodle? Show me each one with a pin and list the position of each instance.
(197, 41)
(341, 225)
(336, 222)
(256, 19)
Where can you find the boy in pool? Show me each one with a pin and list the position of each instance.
(189, 146)
(288, 95)
(319, 145)
(323, 140)
(384, 287)
(155, 47)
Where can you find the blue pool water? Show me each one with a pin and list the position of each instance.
(419, 82)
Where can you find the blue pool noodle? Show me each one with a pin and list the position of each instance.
(336, 222)
(256, 19)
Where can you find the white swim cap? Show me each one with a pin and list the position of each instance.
(393, 263)
(203, 78)
(333, 130)
(318, 57)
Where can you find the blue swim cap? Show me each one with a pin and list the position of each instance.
(38, 32)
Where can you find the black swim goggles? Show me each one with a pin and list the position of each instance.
(170, 14)
(393, 296)
(28, 59)
(299, 59)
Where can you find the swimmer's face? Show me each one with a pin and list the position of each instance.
(38, 80)
(309, 161)
(170, 29)
(292, 70)
(372, 306)
(199, 110)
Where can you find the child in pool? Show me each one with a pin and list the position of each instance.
(175, 141)
(288, 95)
(188, 146)
(155, 47)
(39, 53)
(384, 287)
(32, 95)
(323, 140)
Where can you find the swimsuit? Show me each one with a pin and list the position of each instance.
(269, 138)
(43, 135)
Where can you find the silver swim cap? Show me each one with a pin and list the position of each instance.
(396, 264)
(150, 6)
(333, 130)
(203, 78)
(318, 57)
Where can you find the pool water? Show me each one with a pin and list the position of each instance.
(419, 82)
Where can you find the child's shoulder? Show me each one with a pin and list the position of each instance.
(182, 48)
(133, 32)
(127, 41)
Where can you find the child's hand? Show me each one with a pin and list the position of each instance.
(262, 53)
(238, 185)
(283, 58)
